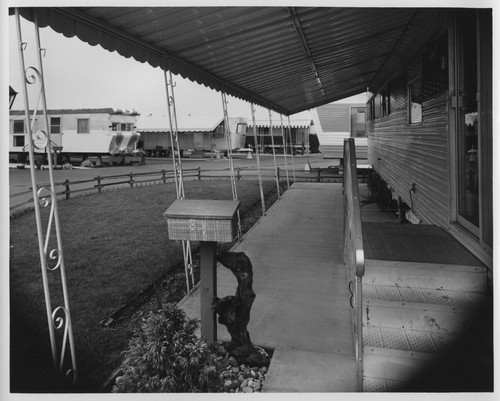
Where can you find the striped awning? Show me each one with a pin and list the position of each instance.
(288, 59)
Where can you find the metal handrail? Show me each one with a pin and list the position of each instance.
(354, 256)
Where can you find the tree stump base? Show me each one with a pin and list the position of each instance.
(234, 310)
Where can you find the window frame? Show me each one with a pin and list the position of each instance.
(52, 125)
(15, 122)
(19, 137)
(410, 100)
(87, 127)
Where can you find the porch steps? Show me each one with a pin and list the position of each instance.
(412, 314)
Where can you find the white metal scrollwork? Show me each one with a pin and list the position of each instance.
(51, 260)
(177, 165)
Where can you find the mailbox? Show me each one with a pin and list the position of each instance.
(208, 221)
(203, 220)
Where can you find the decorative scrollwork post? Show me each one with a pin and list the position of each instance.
(51, 260)
(177, 165)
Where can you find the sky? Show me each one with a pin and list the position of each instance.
(78, 75)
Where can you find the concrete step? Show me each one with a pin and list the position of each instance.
(412, 315)
(425, 275)
(407, 340)
(393, 365)
(295, 370)
(419, 308)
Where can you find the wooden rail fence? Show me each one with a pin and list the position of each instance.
(68, 188)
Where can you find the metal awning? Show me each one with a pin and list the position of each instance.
(303, 123)
(288, 59)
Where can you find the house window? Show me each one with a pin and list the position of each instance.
(241, 128)
(114, 127)
(55, 125)
(19, 127)
(82, 126)
(18, 140)
(415, 103)
(123, 127)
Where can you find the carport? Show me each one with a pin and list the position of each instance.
(286, 59)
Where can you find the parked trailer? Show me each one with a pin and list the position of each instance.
(209, 139)
(102, 135)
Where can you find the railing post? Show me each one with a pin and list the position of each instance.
(131, 180)
(199, 173)
(278, 173)
(319, 175)
(98, 178)
(67, 191)
(239, 173)
(163, 176)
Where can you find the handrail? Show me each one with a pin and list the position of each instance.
(354, 256)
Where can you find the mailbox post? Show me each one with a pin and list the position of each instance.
(207, 221)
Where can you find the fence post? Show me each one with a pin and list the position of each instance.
(66, 183)
(199, 173)
(98, 178)
(163, 176)
(319, 174)
(239, 173)
(131, 180)
(278, 173)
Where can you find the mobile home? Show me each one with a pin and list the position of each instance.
(339, 120)
(430, 130)
(77, 133)
(157, 142)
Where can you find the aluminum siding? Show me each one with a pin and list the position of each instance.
(404, 154)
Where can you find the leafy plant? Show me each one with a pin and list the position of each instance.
(165, 355)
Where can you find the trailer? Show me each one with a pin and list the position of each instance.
(102, 135)
(156, 142)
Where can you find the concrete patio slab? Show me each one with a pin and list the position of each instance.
(302, 305)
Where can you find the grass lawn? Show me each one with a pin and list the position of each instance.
(115, 245)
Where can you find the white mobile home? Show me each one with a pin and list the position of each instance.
(339, 120)
(77, 132)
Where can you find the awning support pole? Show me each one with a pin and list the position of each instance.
(259, 172)
(274, 154)
(284, 151)
(291, 146)
(58, 319)
(177, 165)
(229, 142)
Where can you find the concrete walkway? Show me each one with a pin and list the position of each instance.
(302, 305)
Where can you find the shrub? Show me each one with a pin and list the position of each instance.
(165, 355)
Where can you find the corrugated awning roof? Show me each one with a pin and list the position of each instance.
(288, 59)
(277, 124)
(181, 130)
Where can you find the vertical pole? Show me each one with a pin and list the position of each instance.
(177, 164)
(66, 184)
(284, 151)
(291, 146)
(227, 133)
(172, 144)
(274, 154)
(68, 334)
(208, 290)
(48, 305)
(259, 172)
